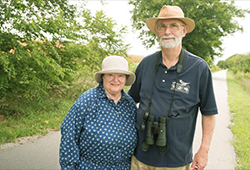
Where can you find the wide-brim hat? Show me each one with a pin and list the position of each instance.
(170, 12)
(115, 64)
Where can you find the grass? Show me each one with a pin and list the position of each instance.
(239, 102)
(34, 121)
(41, 117)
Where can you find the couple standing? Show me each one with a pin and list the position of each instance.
(104, 129)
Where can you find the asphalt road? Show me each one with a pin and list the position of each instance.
(221, 155)
(43, 153)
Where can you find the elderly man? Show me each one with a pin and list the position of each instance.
(171, 86)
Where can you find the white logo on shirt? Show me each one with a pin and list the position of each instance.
(181, 86)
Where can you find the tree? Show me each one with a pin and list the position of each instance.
(239, 63)
(213, 19)
(42, 42)
(222, 64)
(29, 20)
(30, 64)
(102, 39)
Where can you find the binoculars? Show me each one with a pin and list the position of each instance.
(155, 134)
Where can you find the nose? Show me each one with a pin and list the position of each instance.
(167, 30)
(115, 78)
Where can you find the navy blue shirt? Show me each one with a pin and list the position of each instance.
(97, 133)
(194, 91)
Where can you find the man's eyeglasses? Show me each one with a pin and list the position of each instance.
(172, 27)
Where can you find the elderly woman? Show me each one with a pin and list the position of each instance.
(99, 130)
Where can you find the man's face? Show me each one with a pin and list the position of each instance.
(170, 32)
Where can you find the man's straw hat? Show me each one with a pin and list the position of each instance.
(170, 12)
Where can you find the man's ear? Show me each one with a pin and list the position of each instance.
(155, 30)
(185, 30)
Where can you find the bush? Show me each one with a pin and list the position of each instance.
(37, 69)
(222, 64)
(239, 63)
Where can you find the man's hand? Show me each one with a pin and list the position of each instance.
(200, 159)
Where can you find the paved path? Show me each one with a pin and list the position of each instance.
(221, 155)
(43, 153)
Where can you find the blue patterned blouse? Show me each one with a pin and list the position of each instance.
(97, 133)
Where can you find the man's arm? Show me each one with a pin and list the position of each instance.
(201, 157)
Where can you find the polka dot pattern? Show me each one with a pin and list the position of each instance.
(97, 133)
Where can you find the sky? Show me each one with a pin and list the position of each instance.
(119, 11)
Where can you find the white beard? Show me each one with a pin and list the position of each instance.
(170, 43)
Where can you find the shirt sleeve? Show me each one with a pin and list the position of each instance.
(70, 134)
(135, 89)
(207, 98)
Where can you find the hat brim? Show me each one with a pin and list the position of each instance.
(152, 21)
(130, 75)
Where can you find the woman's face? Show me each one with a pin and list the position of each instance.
(113, 83)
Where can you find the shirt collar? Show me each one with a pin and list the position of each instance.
(171, 68)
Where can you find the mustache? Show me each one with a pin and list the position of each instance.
(165, 36)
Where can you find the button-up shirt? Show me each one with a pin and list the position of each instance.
(97, 133)
(193, 92)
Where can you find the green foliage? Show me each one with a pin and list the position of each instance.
(214, 68)
(30, 67)
(240, 111)
(34, 67)
(36, 119)
(222, 64)
(214, 19)
(27, 118)
(102, 39)
(36, 19)
(239, 63)
(29, 72)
